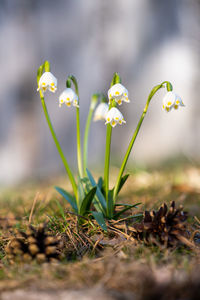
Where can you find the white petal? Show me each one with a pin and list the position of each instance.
(169, 99)
(117, 90)
(114, 116)
(101, 111)
(48, 80)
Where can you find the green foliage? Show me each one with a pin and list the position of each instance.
(99, 217)
(70, 199)
(86, 203)
(106, 209)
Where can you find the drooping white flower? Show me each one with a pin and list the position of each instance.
(178, 102)
(114, 117)
(47, 81)
(69, 97)
(101, 111)
(119, 93)
(171, 100)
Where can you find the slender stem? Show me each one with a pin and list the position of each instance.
(153, 91)
(116, 79)
(85, 142)
(71, 177)
(87, 129)
(78, 134)
(107, 162)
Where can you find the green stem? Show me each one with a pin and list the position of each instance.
(87, 129)
(71, 177)
(78, 134)
(152, 93)
(107, 163)
(109, 210)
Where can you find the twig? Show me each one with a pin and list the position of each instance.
(33, 206)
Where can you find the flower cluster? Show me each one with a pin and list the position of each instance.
(117, 93)
(171, 100)
(85, 189)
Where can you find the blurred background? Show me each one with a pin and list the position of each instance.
(146, 41)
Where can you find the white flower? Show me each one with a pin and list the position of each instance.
(119, 93)
(114, 117)
(101, 111)
(171, 100)
(178, 102)
(68, 97)
(47, 81)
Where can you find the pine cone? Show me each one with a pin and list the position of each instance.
(35, 243)
(165, 226)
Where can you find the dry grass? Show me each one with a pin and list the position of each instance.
(112, 261)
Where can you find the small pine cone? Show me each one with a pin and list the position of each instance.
(165, 226)
(35, 243)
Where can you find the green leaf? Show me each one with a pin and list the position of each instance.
(100, 219)
(128, 206)
(100, 182)
(122, 181)
(99, 194)
(110, 204)
(124, 204)
(85, 180)
(81, 192)
(88, 187)
(86, 203)
(68, 197)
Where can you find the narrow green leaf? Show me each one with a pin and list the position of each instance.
(100, 182)
(81, 192)
(110, 204)
(85, 180)
(86, 203)
(100, 219)
(96, 202)
(99, 194)
(123, 210)
(68, 197)
(124, 204)
(122, 181)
